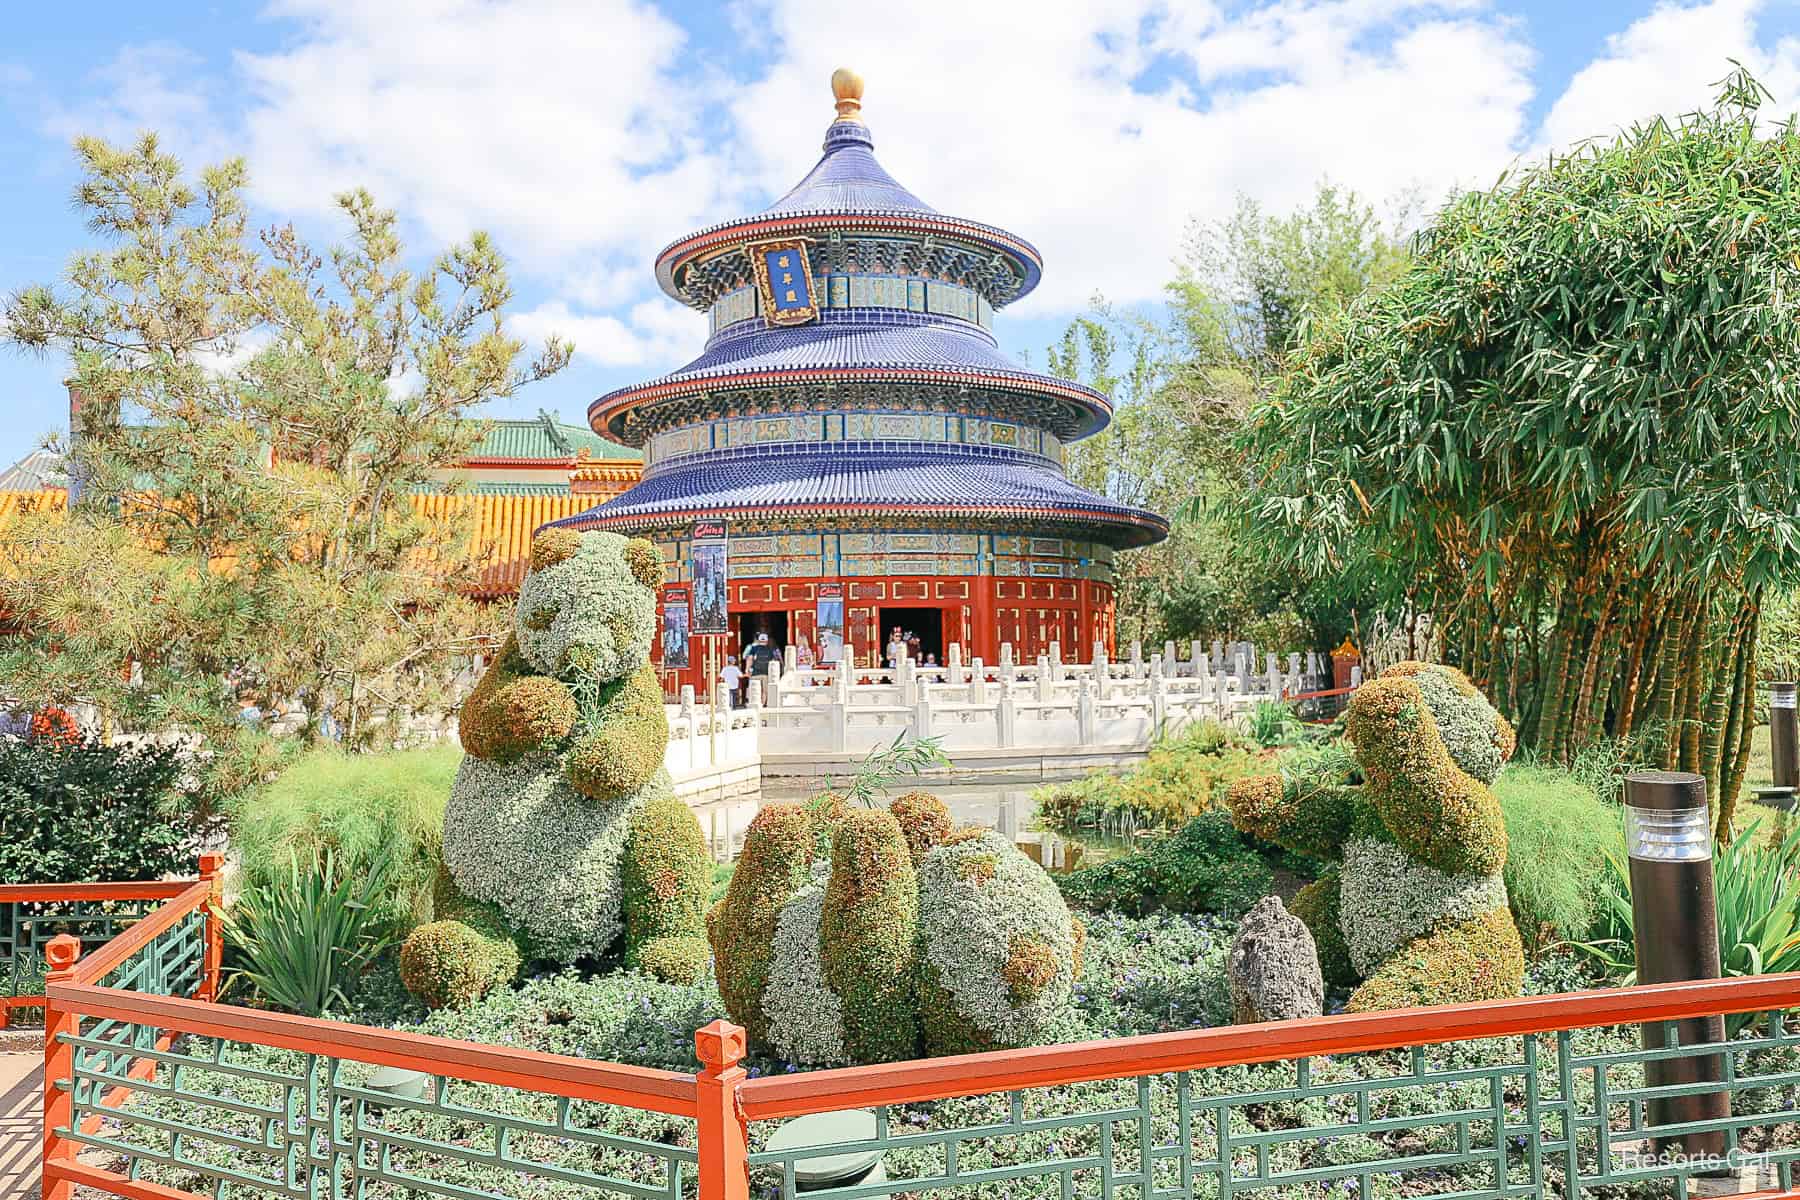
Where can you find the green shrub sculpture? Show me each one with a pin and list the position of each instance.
(1414, 907)
(562, 821)
(452, 963)
(867, 935)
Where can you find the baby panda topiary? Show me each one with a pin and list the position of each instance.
(562, 819)
(864, 935)
(1415, 908)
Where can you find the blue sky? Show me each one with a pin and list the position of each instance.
(586, 134)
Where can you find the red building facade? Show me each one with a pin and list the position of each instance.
(855, 424)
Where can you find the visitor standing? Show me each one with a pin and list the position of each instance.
(761, 654)
(733, 679)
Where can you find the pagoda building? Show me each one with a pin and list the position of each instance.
(855, 424)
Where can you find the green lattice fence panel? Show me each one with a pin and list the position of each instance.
(232, 1119)
(1544, 1115)
(26, 926)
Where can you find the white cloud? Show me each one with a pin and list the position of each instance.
(555, 124)
(1028, 117)
(154, 86)
(585, 134)
(653, 333)
(1667, 63)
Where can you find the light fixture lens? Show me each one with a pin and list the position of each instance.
(1668, 834)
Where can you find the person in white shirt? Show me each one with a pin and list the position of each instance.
(732, 678)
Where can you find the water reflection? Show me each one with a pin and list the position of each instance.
(1003, 805)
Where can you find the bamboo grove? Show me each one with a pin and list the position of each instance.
(1571, 432)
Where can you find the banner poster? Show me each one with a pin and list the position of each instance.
(675, 629)
(710, 581)
(829, 623)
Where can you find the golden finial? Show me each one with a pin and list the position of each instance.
(847, 87)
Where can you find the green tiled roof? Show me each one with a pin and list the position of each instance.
(475, 487)
(545, 437)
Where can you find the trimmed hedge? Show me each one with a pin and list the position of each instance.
(924, 819)
(1317, 904)
(452, 964)
(868, 936)
(1437, 812)
(675, 959)
(1205, 867)
(1479, 958)
(667, 873)
(776, 862)
(513, 711)
(625, 740)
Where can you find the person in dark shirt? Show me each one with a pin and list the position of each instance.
(760, 654)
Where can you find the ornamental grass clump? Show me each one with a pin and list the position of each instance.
(903, 936)
(359, 806)
(562, 819)
(1414, 905)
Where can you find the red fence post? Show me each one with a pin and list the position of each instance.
(724, 1134)
(212, 864)
(59, 1064)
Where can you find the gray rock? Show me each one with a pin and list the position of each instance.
(1273, 971)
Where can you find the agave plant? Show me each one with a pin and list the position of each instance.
(1757, 895)
(304, 939)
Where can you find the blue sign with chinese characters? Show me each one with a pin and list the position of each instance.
(787, 280)
(784, 277)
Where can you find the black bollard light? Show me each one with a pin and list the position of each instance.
(1783, 749)
(1668, 835)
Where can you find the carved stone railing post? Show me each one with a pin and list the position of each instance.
(1084, 712)
(840, 724)
(1005, 716)
(687, 711)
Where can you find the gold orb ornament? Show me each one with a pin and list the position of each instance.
(847, 88)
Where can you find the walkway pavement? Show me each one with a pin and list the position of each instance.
(21, 1124)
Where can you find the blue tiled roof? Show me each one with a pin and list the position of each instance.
(847, 183)
(852, 341)
(848, 179)
(942, 481)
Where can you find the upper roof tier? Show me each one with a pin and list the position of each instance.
(848, 193)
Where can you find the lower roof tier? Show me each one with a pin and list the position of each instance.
(962, 484)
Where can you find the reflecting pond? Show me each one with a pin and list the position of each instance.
(1005, 805)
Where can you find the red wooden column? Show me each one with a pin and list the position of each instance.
(59, 1065)
(724, 1135)
(984, 639)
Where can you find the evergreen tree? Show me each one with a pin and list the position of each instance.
(253, 418)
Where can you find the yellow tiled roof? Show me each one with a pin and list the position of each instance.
(503, 528)
(503, 525)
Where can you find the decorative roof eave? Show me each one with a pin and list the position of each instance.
(517, 462)
(611, 408)
(1141, 529)
(1027, 263)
